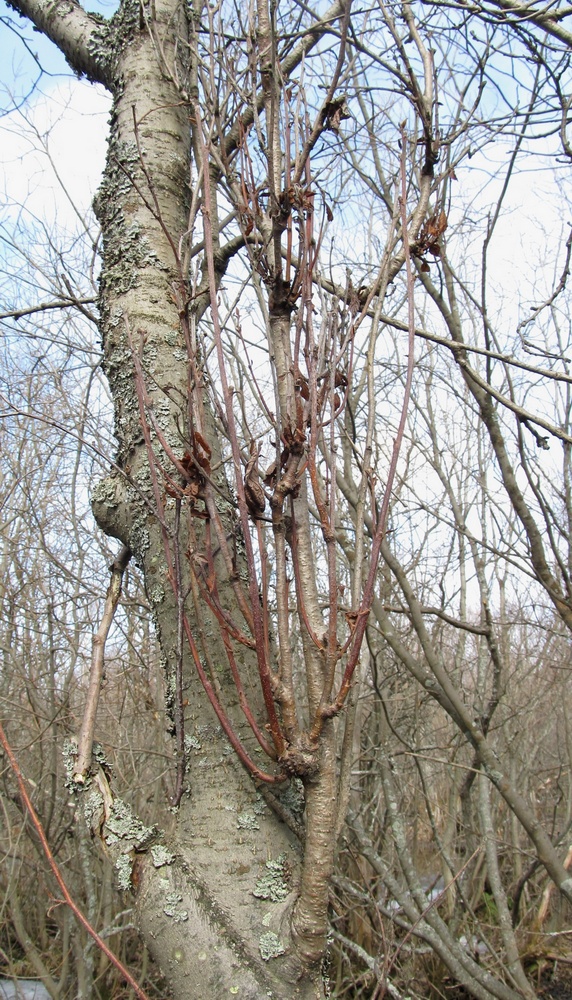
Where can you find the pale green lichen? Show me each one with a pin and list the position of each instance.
(495, 776)
(173, 909)
(259, 807)
(164, 421)
(149, 354)
(115, 317)
(161, 856)
(69, 754)
(93, 808)
(156, 593)
(270, 946)
(122, 165)
(99, 44)
(105, 492)
(274, 883)
(293, 797)
(126, 247)
(124, 869)
(192, 743)
(132, 252)
(98, 754)
(139, 539)
(122, 824)
(247, 821)
(142, 478)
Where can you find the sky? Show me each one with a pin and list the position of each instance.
(59, 123)
(52, 153)
(61, 134)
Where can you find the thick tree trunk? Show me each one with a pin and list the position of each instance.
(199, 913)
(216, 908)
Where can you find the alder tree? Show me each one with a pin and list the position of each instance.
(329, 471)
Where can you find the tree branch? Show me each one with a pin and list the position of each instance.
(72, 29)
(57, 873)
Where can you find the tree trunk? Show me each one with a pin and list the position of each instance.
(201, 920)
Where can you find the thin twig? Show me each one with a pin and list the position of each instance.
(362, 614)
(85, 741)
(58, 875)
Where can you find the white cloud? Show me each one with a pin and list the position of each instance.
(52, 152)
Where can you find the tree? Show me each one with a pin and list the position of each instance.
(247, 305)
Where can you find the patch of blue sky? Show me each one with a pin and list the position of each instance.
(27, 58)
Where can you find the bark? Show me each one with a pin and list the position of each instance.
(79, 35)
(199, 914)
